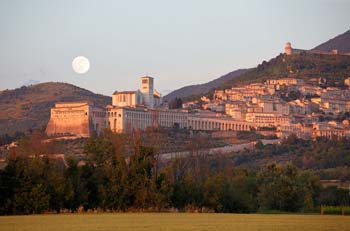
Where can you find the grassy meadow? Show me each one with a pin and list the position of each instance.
(173, 221)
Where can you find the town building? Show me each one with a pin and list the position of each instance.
(335, 101)
(257, 106)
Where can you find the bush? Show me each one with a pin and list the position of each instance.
(346, 210)
(335, 210)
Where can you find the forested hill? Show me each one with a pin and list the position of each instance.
(29, 107)
(340, 42)
(201, 89)
(305, 66)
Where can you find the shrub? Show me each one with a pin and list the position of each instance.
(335, 210)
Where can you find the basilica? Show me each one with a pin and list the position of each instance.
(132, 110)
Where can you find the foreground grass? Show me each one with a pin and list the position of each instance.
(173, 221)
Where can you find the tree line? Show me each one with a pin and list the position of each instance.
(321, 155)
(123, 173)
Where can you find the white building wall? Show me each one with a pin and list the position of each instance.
(147, 90)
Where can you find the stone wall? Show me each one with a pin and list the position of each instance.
(71, 119)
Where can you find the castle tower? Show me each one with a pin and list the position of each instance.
(288, 48)
(147, 91)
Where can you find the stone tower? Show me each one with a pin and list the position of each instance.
(288, 48)
(147, 91)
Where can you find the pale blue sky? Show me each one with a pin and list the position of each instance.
(178, 42)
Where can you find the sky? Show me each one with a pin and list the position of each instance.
(178, 42)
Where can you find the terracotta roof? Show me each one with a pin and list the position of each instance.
(124, 92)
(74, 102)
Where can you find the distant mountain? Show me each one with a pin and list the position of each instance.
(28, 107)
(340, 42)
(202, 89)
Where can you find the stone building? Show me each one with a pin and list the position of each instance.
(75, 118)
(127, 98)
(147, 91)
(285, 81)
(347, 81)
(335, 101)
(146, 96)
(125, 119)
(289, 50)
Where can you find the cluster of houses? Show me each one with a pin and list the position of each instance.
(289, 105)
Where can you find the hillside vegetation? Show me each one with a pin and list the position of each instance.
(304, 66)
(335, 68)
(327, 158)
(29, 107)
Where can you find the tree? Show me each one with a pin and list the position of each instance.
(39, 199)
(334, 196)
(74, 190)
(141, 182)
(26, 188)
(55, 184)
(286, 189)
(175, 103)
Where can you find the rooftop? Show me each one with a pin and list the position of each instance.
(124, 92)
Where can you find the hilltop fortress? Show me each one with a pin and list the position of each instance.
(288, 50)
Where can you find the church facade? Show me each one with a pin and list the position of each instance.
(147, 96)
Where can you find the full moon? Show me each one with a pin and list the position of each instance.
(81, 65)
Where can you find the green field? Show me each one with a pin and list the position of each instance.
(174, 221)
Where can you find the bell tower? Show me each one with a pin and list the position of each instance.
(147, 91)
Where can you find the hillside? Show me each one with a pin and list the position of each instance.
(340, 42)
(29, 107)
(335, 68)
(304, 66)
(201, 89)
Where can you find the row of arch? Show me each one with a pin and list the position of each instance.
(112, 114)
(331, 133)
(215, 125)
